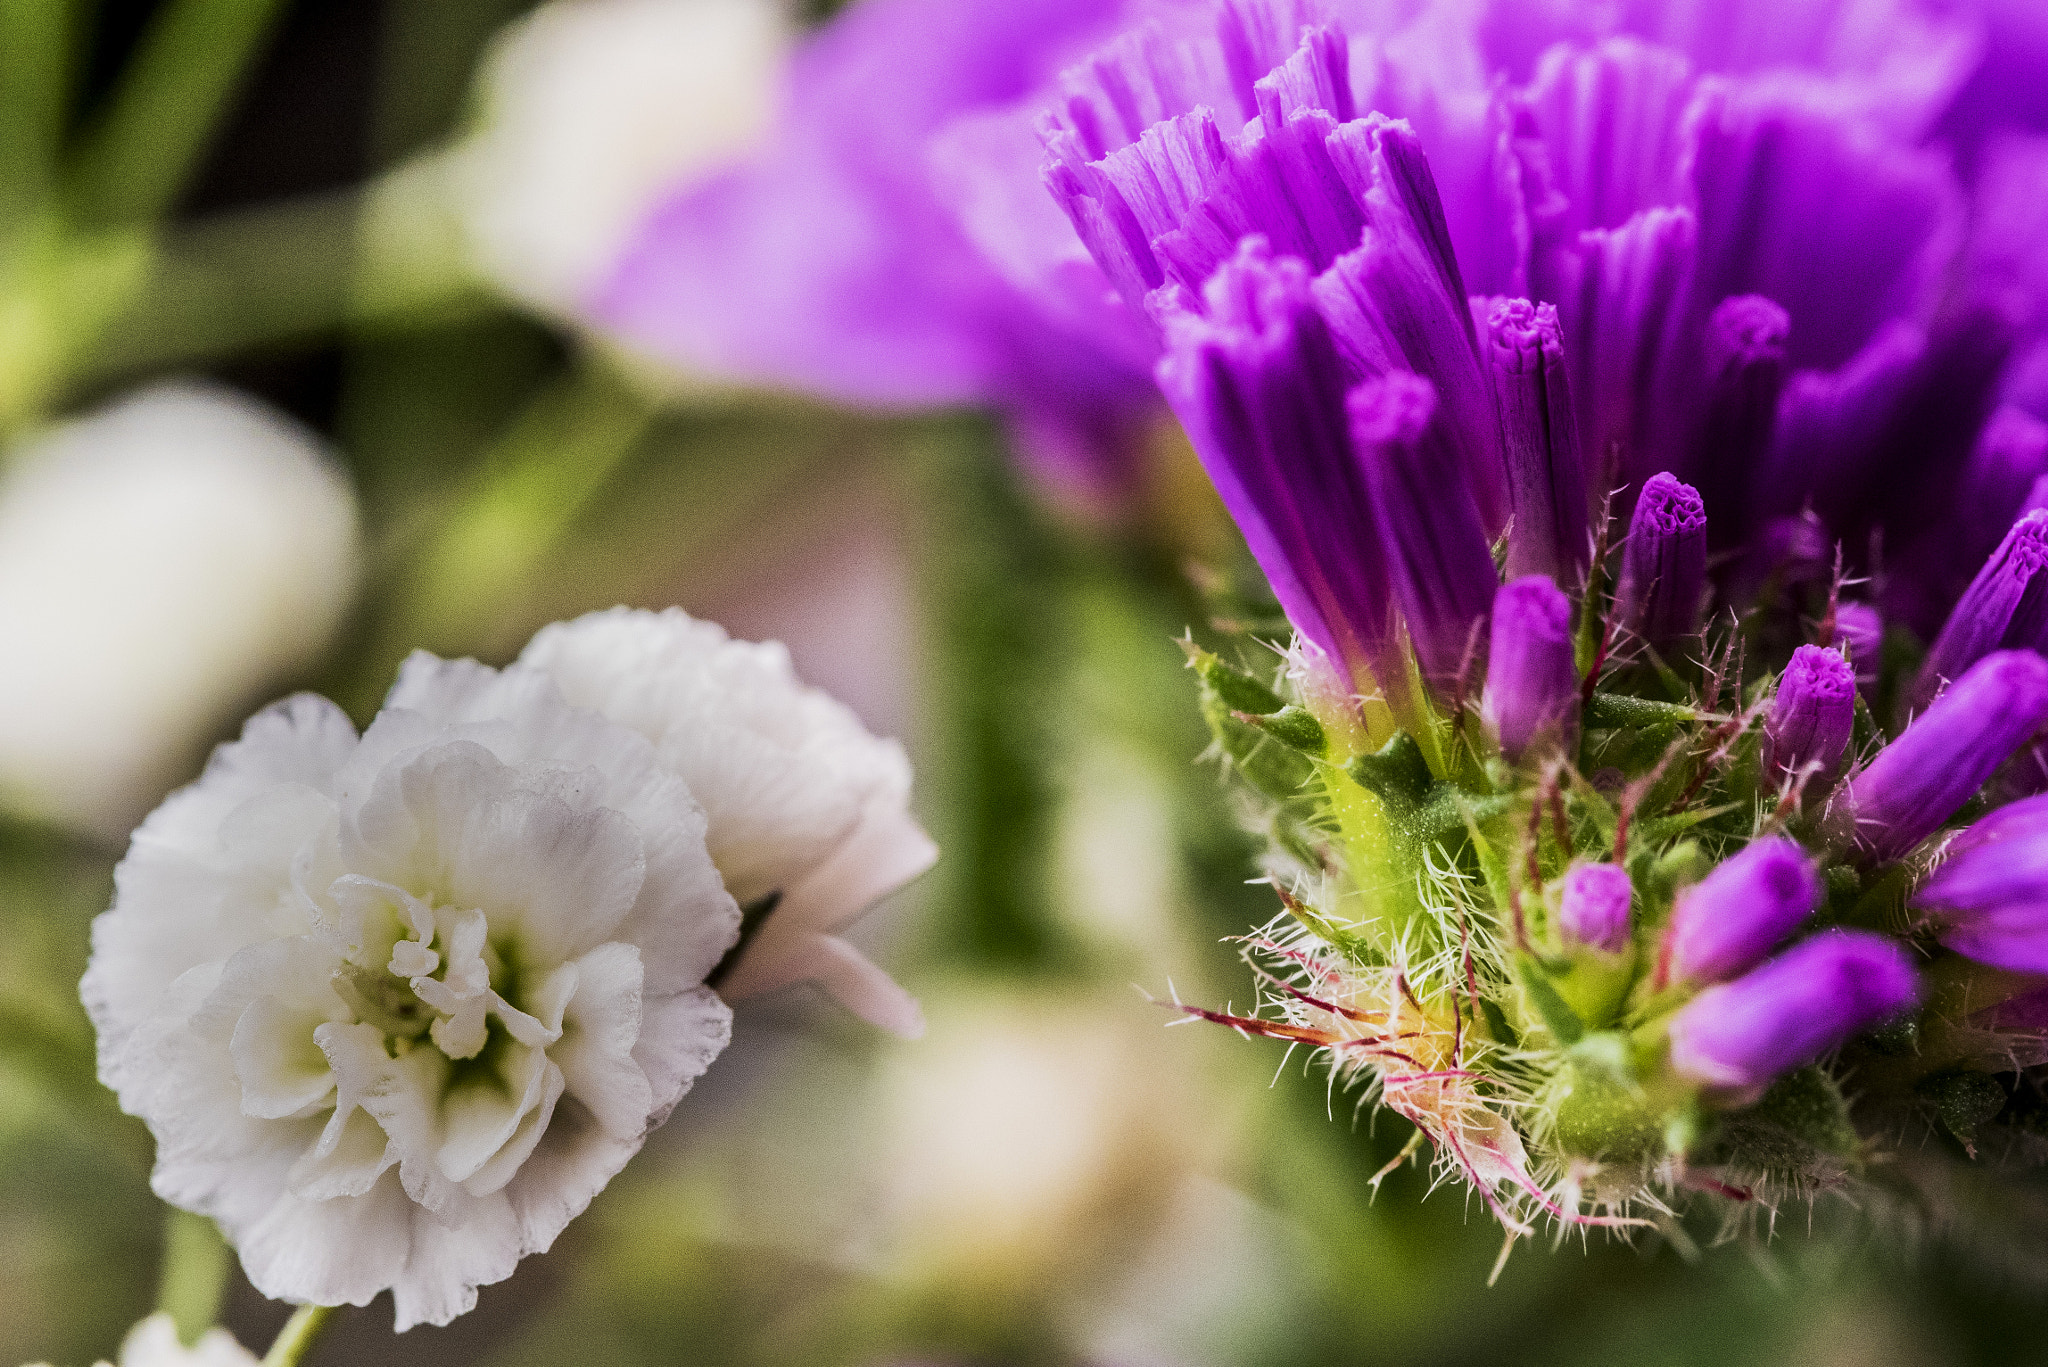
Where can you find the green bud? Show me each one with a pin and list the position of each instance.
(1606, 1114)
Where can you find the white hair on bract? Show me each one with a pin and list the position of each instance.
(161, 561)
(595, 109)
(154, 1343)
(804, 805)
(397, 1006)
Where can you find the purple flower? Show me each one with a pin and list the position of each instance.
(1813, 714)
(1437, 556)
(1740, 912)
(1919, 780)
(831, 263)
(2005, 605)
(1664, 564)
(1815, 997)
(1545, 465)
(1991, 894)
(1255, 378)
(1744, 373)
(1594, 907)
(1532, 684)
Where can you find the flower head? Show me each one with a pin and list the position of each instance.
(1813, 715)
(397, 1006)
(1664, 564)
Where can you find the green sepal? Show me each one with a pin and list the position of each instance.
(1551, 1007)
(1620, 712)
(1963, 1100)
(1593, 983)
(1234, 688)
(1347, 942)
(1293, 726)
(1396, 773)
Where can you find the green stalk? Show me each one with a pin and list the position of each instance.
(195, 1272)
(171, 99)
(296, 1339)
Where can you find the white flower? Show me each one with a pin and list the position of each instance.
(154, 1343)
(160, 561)
(595, 108)
(397, 1007)
(802, 801)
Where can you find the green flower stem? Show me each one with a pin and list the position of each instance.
(195, 1272)
(296, 1339)
(170, 100)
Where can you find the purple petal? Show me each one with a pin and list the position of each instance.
(1532, 682)
(1740, 912)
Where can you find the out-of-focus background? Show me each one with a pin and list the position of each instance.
(287, 431)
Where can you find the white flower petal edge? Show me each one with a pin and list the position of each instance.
(802, 801)
(154, 1343)
(397, 1007)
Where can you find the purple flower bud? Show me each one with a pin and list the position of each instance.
(1816, 996)
(1992, 893)
(1745, 370)
(1919, 780)
(1664, 566)
(1859, 632)
(1737, 914)
(2005, 605)
(1813, 714)
(1546, 473)
(1594, 908)
(1437, 555)
(1532, 684)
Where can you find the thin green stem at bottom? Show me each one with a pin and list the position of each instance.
(295, 1340)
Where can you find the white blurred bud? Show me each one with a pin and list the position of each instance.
(154, 1343)
(594, 109)
(161, 561)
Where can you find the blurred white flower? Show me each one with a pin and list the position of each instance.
(594, 109)
(154, 1343)
(804, 805)
(397, 1007)
(161, 561)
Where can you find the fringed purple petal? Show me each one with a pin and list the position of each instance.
(1436, 549)
(1258, 385)
(1540, 441)
(1803, 206)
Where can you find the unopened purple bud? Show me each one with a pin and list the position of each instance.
(1859, 632)
(1813, 715)
(1594, 908)
(1546, 472)
(1436, 548)
(1815, 997)
(1992, 892)
(1919, 780)
(1745, 370)
(1664, 566)
(1740, 912)
(2005, 605)
(1532, 684)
